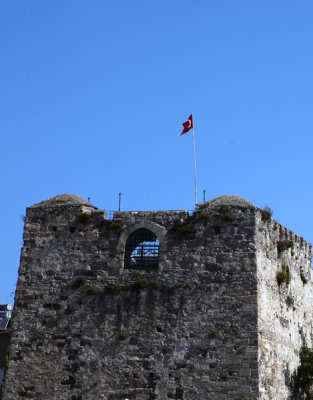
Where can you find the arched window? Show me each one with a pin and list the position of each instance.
(142, 250)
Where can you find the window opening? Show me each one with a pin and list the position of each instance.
(142, 250)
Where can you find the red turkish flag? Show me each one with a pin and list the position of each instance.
(187, 125)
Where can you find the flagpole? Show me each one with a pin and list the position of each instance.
(194, 158)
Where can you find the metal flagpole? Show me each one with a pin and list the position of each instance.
(194, 158)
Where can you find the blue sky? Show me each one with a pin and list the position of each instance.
(93, 95)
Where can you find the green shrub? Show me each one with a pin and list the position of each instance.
(283, 276)
(303, 378)
(283, 245)
(213, 335)
(115, 226)
(204, 215)
(140, 284)
(227, 217)
(303, 278)
(185, 229)
(90, 290)
(158, 286)
(80, 281)
(289, 301)
(199, 215)
(112, 288)
(266, 213)
(143, 283)
(123, 336)
(85, 218)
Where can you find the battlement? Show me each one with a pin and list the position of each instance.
(210, 304)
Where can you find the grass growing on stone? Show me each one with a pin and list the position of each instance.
(140, 284)
(227, 217)
(213, 335)
(157, 286)
(289, 301)
(283, 245)
(283, 276)
(112, 288)
(84, 218)
(143, 283)
(303, 378)
(303, 278)
(204, 216)
(115, 226)
(91, 290)
(122, 336)
(266, 213)
(80, 281)
(185, 229)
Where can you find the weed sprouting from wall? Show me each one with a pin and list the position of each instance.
(303, 278)
(122, 336)
(91, 290)
(213, 335)
(266, 213)
(80, 281)
(283, 276)
(185, 229)
(199, 216)
(227, 217)
(303, 378)
(289, 301)
(112, 288)
(283, 245)
(140, 284)
(115, 226)
(84, 218)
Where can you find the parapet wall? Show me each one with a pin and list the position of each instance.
(197, 327)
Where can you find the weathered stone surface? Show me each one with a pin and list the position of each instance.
(211, 322)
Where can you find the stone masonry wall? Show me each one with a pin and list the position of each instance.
(285, 310)
(86, 328)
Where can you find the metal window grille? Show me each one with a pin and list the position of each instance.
(142, 250)
(5, 315)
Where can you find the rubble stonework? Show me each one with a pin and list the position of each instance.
(211, 322)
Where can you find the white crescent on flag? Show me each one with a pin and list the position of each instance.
(187, 125)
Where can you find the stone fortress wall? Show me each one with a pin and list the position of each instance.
(284, 312)
(210, 322)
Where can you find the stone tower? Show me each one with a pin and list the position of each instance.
(158, 305)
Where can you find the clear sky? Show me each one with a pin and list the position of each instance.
(93, 95)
